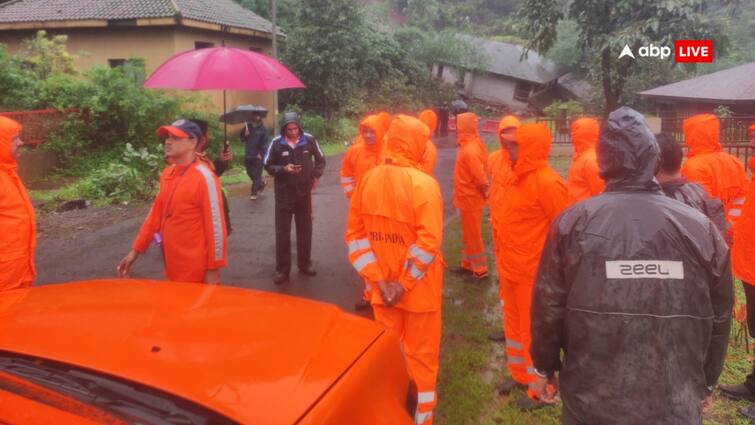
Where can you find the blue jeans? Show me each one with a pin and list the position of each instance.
(254, 171)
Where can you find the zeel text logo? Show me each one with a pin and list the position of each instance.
(693, 51)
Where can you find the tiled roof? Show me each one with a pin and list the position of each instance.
(222, 12)
(735, 84)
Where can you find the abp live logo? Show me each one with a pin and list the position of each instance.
(685, 51)
(693, 51)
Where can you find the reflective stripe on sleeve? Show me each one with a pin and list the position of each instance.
(515, 360)
(514, 345)
(348, 189)
(217, 223)
(347, 179)
(421, 418)
(421, 254)
(735, 212)
(358, 244)
(416, 273)
(739, 201)
(364, 260)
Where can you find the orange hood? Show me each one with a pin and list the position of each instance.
(508, 121)
(9, 129)
(534, 146)
(385, 120)
(701, 133)
(374, 123)
(467, 128)
(429, 118)
(584, 134)
(406, 139)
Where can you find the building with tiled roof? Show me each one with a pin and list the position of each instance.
(110, 32)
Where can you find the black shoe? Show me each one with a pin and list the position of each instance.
(737, 392)
(461, 271)
(362, 305)
(508, 385)
(309, 271)
(748, 411)
(497, 336)
(526, 404)
(280, 278)
(478, 277)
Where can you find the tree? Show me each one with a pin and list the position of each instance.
(47, 56)
(604, 27)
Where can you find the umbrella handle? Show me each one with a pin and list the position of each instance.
(226, 144)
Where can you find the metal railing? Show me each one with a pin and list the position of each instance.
(38, 124)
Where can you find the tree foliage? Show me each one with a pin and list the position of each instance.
(47, 56)
(604, 27)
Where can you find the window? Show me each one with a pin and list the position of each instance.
(522, 91)
(203, 45)
(115, 63)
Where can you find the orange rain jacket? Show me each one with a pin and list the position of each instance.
(395, 224)
(499, 164)
(743, 248)
(584, 181)
(529, 203)
(430, 157)
(470, 179)
(720, 173)
(18, 233)
(187, 214)
(361, 157)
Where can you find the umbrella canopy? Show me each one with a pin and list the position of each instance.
(243, 113)
(222, 68)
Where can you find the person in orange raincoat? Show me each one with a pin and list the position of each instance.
(430, 157)
(365, 154)
(720, 173)
(186, 219)
(743, 266)
(584, 181)
(470, 192)
(528, 205)
(18, 233)
(499, 169)
(394, 236)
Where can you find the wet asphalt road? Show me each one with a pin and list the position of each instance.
(251, 246)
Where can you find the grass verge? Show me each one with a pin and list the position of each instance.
(471, 366)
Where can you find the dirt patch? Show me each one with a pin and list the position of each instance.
(53, 225)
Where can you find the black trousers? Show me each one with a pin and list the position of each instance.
(254, 171)
(750, 296)
(301, 210)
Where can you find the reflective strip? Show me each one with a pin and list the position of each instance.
(416, 273)
(347, 179)
(348, 189)
(421, 418)
(515, 360)
(426, 397)
(358, 244)
(421, 254)
(364, 260)
(217, 221)
(317, 144)
(735, 212)
(514, 345)
(739, 201)
(269, 148)
(531, 371)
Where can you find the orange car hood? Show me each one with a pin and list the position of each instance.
(255, 357)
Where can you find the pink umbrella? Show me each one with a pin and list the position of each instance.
(222, 68)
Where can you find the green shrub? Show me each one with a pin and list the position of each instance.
(132, 176)
(564, 109)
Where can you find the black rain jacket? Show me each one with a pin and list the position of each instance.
(306, 153)
(636, 289)
(694, 195)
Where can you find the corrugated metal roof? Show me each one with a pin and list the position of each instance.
(504, 59)
(222, 12)
(735, 84)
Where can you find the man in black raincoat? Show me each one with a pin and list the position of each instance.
(636, 289)
(676, 186)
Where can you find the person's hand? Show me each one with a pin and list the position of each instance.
(390, 292)
(124, 267)
(546, 389)
(259, 156)
(314, 183)
(212, 277)
(707, 404)
(292, 169)
(398, 292)
(225, 155)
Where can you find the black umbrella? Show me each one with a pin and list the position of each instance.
(459, 106)
(242, 114)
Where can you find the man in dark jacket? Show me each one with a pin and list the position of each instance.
(254, 137)
(296, 161)
(675, 186)
(636, 289)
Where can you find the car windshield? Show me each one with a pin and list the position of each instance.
(128, 401)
